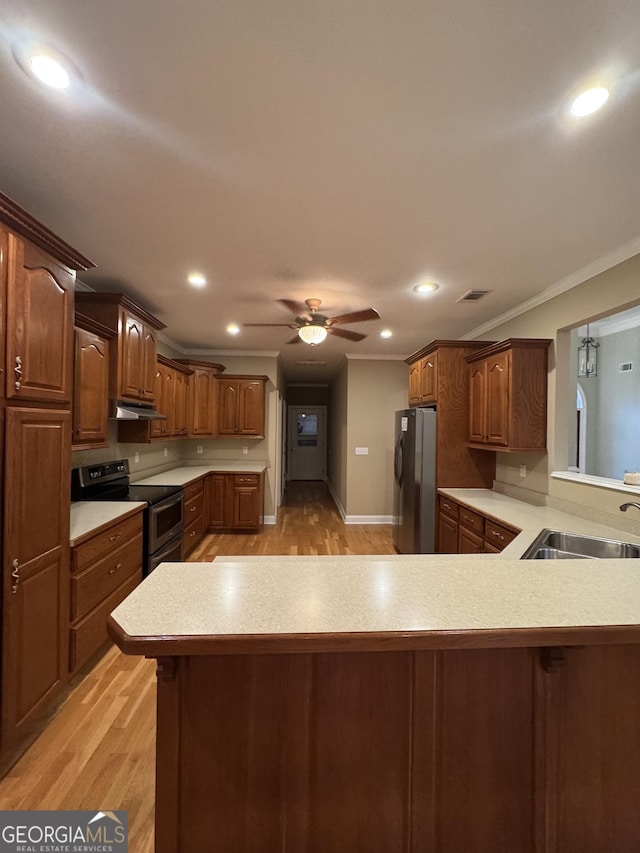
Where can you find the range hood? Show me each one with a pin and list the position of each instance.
(125, 411)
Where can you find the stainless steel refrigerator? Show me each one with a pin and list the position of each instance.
(414, 500)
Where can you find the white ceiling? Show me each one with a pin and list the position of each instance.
(339, 150)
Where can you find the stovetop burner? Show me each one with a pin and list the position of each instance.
(109, 481)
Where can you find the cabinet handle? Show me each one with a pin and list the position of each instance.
(115, 568)
(114, 538)
(496, 534)
(446, 506)
(15, 575)
(18, 372)
(193, 509)
(193, 533)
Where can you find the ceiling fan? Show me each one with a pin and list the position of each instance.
(313, 327)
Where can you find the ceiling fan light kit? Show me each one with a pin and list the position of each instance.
(312, 334)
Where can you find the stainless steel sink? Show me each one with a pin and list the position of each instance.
(557, 545)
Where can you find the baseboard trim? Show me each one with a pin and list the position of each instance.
(269, 519)
(336, 499)
(368, 519)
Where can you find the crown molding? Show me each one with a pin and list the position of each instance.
(356, 356)
(231, 352)
(600, 265)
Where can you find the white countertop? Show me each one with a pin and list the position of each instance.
(530, 519)
(293, 596)
(87, 517)
(187, 474)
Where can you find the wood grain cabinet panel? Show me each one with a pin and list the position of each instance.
(447, 538)
(202, 397)
(429, 379)
(39, 326)
(415, 391)
(234, 501)
(241, 406)
(91, 384)
(194, 514)
(36, 553)
(465, 531)
(508, 395)
(171, 400)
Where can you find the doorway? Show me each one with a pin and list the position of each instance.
(307, 443)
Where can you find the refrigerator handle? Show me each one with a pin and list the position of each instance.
(397, 461)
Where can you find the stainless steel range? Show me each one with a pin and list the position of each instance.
(163, 517)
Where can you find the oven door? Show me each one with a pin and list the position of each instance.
(165, 521)
(170, 553)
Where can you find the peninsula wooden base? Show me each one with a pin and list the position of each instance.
(479, 750)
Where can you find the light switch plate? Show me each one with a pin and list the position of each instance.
(245, 450)
(199, 448)
(362, 451)
(136, 457)
(523, 470)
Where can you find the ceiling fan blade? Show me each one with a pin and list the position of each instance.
(296, 308)
(295, 340)
(355, 317)
(285, 325)
(345, 333)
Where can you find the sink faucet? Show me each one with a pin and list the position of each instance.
(625, 507)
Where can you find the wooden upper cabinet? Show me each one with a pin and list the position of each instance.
(429, 378)
(508, 395)
(181, 405)
(241, 406)
(414, 384)
(91, 384)
(164, 402)
(202, 397)
(39, 325)
(171, 390)
(133, 368)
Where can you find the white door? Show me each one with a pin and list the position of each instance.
(307, 443)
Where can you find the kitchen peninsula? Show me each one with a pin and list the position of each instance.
(379, 704)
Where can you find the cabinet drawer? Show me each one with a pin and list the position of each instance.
(193, 490)
(469, 542)
(91, 633)
(194, 509)
(472, 520)
(498, 535)
(193, 534)
(246, 479)
(97, 581)
(449, 507)
(103, 543)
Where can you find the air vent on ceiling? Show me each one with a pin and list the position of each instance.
(473, 295)
(625, 367)
(311, 363)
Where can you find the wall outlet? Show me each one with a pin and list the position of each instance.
(199, 448)
(245, 450)
(166, 452)
(136, 457)
(362, 451)
(523, 470)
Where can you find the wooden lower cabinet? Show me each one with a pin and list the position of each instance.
(104, 570)
(478, 750)
(234, 501)
(461, 530)
(194, 514)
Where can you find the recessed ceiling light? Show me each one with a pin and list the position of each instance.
(426, 287)
(49, 71)
(196, 279)
(386, 333)
(589, 101)
(233, 329)
(44, 63)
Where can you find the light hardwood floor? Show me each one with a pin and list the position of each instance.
(99, 750)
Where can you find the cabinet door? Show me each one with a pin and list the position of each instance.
(180, 426)
(39, 324)
(414, 384)
(148, 368)
(91, 389)
(447, 534)
(227, 406)
(164, 403)
(429, 378)
(202, 390)
(36, 564)
(497, 397)
(469, 542)
(131, 357)
(251, 407)
(216, 500)
(245, 506)
(477, 402)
